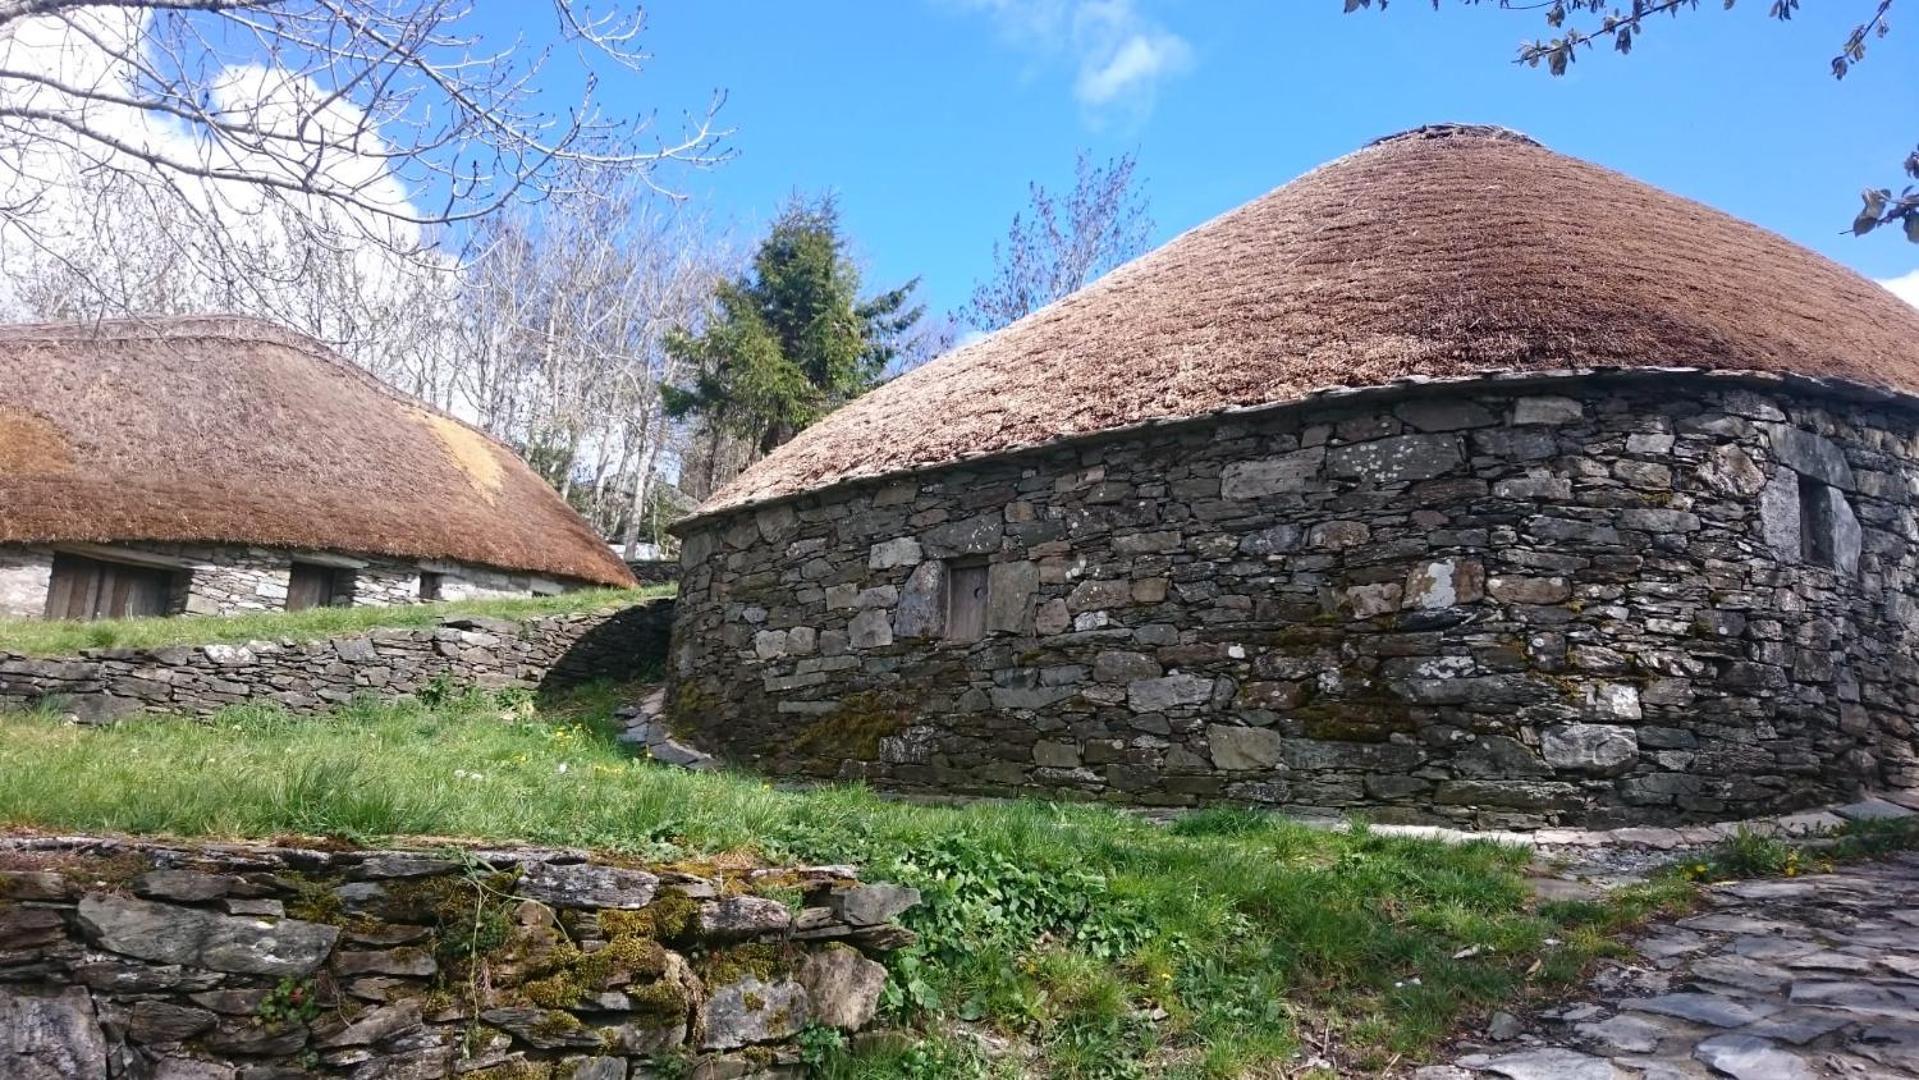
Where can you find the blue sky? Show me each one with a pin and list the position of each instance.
(929, 117)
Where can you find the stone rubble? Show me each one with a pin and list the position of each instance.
(647, 733)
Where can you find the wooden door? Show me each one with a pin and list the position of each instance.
(310, 586)
(83, 588)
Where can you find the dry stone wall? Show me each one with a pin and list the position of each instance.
(124, 959)
(101, 685)
(1608, 600)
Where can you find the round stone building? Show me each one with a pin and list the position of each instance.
(1457, 480)
(220, 465)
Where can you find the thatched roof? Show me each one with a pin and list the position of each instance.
(1439, 253)
(231, 430)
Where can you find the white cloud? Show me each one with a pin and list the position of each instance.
(1905, 287)
(93, 228)
(1119, 53)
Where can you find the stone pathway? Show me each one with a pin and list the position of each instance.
(1776, 979)
(646, 733)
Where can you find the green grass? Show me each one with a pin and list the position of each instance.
(42, 637)
(1226, 945)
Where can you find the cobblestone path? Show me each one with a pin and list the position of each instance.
(1779, 979)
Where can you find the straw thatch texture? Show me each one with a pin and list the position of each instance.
(230, 430)
(1442, 252)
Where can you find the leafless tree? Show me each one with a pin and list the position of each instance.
(320, 127)
(1058, 246)
(562, 352)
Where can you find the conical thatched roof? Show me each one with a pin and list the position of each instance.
(1440, 252)
(231, 430)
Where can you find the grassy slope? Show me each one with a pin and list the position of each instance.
(1068, 926)
(41, 637)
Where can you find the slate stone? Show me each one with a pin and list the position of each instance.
(164, 1022)
(843, 987)
(1009, 596)
(901, 551)
(406, 960)
(922, 605)
(1236, 748)
(1627, 1033)
(870, 629)
(595, 1068)
(49, 1035)
(1168, 692)
(1729, 470)
(583, 885)
(1873, 810)
(751, 1011)
(380, 1025)
(738, 918)
(1848, 539)
(1589, 749)
(1548, 409)
(34, 885)
(167, 934)
(1444, 414)
(1551, 1063)
(978, 535)
(1743, 973)
(536, 1027)
(1813, 456)
(873, 904)
(1271, 476)
(1713, 1009)
(1401, 458)
(1275, 540)
(185, 886)
(1748, 1057)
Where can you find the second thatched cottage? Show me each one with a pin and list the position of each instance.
(221, 465)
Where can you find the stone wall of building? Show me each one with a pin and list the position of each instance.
(25, 576)
(1653, 597)
(550, 651)
(231, 579)
(143, 961)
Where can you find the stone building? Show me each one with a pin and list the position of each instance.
(219, 465)
(1458, 480)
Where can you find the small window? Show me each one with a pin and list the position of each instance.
(310, 585)
(1815, 522)
(432, 586)
(966, 602)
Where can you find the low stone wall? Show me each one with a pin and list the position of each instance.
(654, 571)
(548, 652)
(219, 962)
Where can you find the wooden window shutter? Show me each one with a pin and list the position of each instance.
(966, 602)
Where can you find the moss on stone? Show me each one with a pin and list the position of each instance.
(853, 730)
(724, 967)
(515, 1070)
(555, 1022)
(670, 917)
(662, 999)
